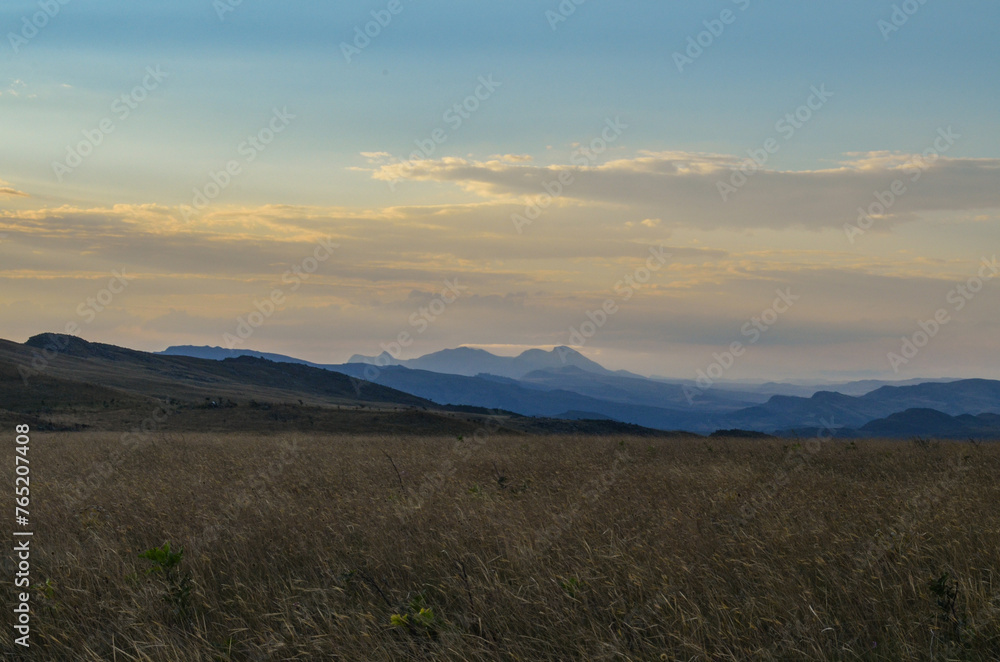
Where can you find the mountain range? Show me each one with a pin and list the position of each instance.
(64, 382)
(60, 382)
(466, 361)
(562, 383)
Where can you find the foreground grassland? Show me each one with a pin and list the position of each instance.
(300, 547)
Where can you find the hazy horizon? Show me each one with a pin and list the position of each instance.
(507, 351)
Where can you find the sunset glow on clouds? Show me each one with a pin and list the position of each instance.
(873, 210)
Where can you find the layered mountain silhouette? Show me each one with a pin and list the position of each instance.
(933, 423)
(52, 374)
(914, 423)
(55, 381)
(967, 396)
(562, 383)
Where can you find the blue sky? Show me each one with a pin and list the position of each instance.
(940, 68)
(556, 89)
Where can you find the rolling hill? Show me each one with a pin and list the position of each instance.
(967, 396)
(60, 382)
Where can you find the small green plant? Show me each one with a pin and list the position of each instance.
(46, 592)
(164, 559)
(165, 564)
(45, 589)
(417, 618)
(571, 586)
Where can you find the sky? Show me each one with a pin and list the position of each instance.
(750, 190)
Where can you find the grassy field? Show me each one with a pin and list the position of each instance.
(325, 547)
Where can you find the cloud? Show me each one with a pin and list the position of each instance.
(513, 158)
(404, 243)
(683, 189)
(17, 89)
(194, 279)
(7, 191)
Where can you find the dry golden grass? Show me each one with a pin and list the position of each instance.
(306, 547)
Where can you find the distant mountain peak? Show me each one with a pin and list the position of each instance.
(472, 361)
(69, 345)
(560, 351)
(60, 339)
(467, 351)
(383, 359)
